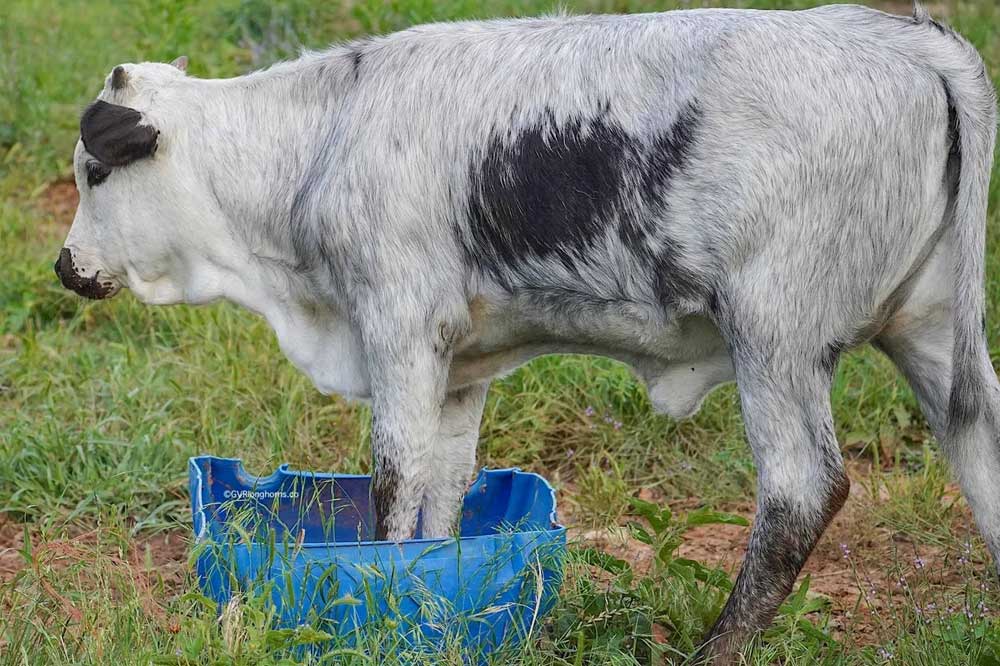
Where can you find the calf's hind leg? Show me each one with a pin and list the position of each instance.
(785, 399)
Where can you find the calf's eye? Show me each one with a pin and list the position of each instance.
(96, 173)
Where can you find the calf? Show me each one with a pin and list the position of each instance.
(704, 195)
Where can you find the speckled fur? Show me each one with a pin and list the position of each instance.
(706, 195)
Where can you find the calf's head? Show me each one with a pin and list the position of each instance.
(133, 223)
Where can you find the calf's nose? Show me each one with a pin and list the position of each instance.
(90, 287)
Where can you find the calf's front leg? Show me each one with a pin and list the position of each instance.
(453, 458)
(408, 379)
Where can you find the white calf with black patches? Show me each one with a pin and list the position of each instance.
(418, 213)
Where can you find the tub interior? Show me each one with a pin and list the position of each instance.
(317, 508)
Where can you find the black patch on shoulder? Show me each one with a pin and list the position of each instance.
(555, 188)
(549, 192)
(660, 163)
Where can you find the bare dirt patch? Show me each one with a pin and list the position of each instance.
(164, 553)
(83, 564)
(11, 542)
(857, 565)
(58, 202)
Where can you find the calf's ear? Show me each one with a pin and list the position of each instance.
(113, 135)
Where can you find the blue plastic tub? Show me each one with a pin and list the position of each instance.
(304, 540)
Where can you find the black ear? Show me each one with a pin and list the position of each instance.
(113, 135)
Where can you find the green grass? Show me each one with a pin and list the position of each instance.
(101, 404)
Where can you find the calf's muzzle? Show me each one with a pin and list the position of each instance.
(92, 287)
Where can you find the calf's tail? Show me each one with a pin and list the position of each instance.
(973, 116)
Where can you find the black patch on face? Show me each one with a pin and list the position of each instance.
(97, 173)
(554, 189)
(113, 135)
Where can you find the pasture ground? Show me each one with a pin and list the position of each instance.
(102, 403)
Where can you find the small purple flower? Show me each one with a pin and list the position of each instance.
(902, 584)
(885, 654)
(846, 551)
(589, 411)
(607, 418)
(570, 453)
(918, 563)
(618, 425)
